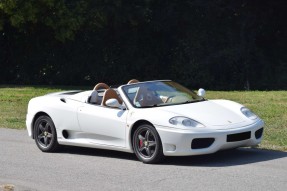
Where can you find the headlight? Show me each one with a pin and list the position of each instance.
(184, 121)
(248, 113)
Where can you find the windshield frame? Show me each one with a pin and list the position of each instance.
(131, 102)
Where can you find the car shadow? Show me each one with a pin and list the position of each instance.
(97, 152)
(224, 158)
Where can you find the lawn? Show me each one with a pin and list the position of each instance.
(271, 106)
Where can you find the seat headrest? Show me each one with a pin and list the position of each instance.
(133, 81)
(101, 86)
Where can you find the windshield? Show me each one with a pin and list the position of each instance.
(159, 93)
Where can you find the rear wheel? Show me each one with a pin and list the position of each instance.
(147, 144)
(45, 134)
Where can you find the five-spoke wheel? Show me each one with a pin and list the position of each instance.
(45, 134)
(147, 144)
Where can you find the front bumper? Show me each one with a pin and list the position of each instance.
(29, 120)
(177, 142)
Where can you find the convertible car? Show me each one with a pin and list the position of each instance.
(152, 119)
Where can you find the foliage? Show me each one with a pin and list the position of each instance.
(217, 44)
(64, 18)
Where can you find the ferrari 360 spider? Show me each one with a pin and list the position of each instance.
(152, 119)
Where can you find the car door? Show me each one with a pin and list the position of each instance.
(103, 125)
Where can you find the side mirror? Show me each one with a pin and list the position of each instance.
(201, 92)
(114, 103)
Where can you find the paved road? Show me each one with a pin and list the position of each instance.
(23, 165)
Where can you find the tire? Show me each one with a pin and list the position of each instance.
(147, 144)
(45, 134)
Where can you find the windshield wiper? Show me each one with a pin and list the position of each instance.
(149, 106)
(193, 101)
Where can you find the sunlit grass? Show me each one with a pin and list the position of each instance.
(271, 106)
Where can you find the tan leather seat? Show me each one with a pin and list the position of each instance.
(101, 86)
(94, 97)
(110, 93)
(133, 81)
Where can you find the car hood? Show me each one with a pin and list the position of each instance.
(211, 113)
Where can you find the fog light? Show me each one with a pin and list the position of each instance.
(169, 147)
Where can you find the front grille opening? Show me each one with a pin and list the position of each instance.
(201, 143)
(259, 133)
(238, 136)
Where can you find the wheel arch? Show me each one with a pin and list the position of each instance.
(37, 115)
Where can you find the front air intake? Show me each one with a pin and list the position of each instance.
(238, 136)
(258, 133)
(201, 143)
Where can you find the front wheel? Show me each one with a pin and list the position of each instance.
(45, 134)
(147, 144)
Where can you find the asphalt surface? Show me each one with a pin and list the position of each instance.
(24, 167)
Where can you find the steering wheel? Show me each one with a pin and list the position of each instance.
(169, 98)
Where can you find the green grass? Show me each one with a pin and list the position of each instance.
(14, 102)
(271, 106)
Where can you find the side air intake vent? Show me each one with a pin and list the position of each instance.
(65, 134)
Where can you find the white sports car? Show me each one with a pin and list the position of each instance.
(153, 119)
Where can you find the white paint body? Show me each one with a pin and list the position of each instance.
(96, 126)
